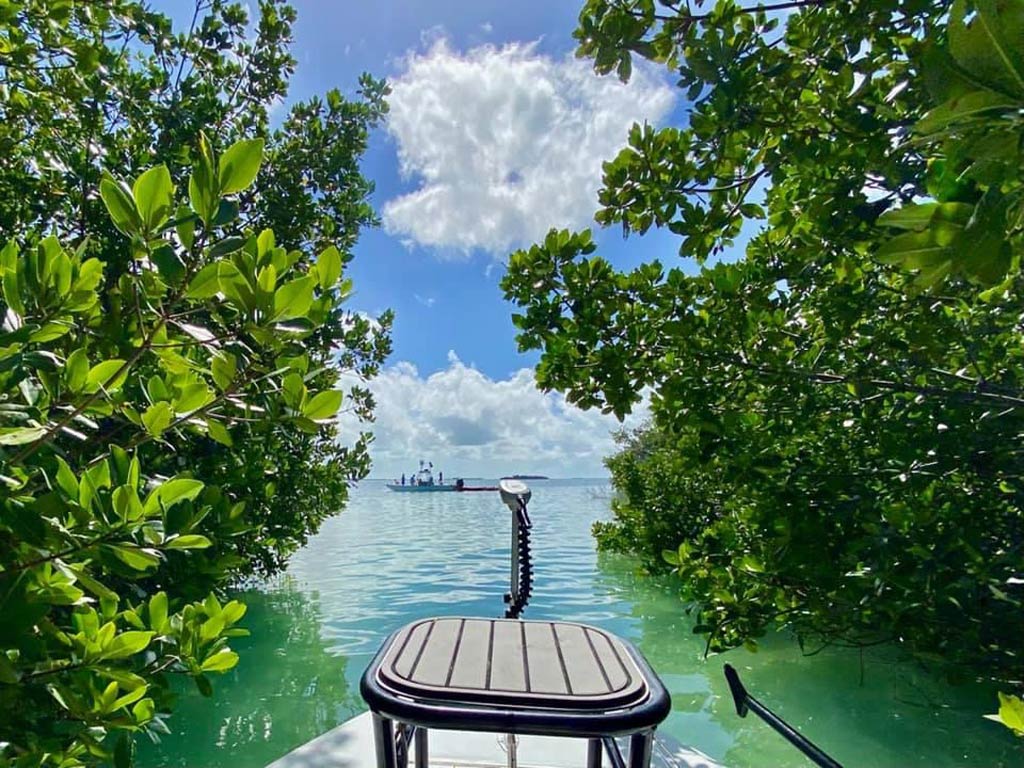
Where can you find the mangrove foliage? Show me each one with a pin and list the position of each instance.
(835, 368)
(173, 335)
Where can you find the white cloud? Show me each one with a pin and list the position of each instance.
(506, 143)
(471, 425)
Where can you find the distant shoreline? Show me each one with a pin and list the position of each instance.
(494, 477)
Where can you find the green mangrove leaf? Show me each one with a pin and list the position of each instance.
(239, 165)
(221, 661)
(158, 612)
(203, 187)
(323, 405)
(118, 199)
(154, 197)
(134, 557)
(219, 432)
(170, 493)
(205, 284)
(109, 375)
(127, 644)
(223, 367)
(158, 417)
(328, 267)
(21, 435)
(293, 299)
(188, 541)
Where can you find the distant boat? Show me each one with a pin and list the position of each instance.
(525, 477)
(421, 488)
(422, 481)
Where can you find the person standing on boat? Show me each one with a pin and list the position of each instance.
(440, 478)
(403, 478)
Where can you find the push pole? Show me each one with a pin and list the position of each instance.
(745, 702)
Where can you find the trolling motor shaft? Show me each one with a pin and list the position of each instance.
(516, 494)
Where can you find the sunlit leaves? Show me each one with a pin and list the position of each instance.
(323, 405)
(979, 82)
(1011, 713)
(158, 417)
(294, 298)
(328, 265)
(124, 645)
(205, 284)
(219, 432)
(239, 165)
(107, 375)
(188, 541)
(224, 367)
(136, 558)
(21, 435)
(835, 390)
(126, 503)
(154, 197)
(120, 205)
(158, 611)
(221, 661)
(76, 370)
(143, 355)
(172, 492)
(203, 186)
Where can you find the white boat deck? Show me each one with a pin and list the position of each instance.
(350, 745)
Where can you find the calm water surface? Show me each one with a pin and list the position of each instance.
(391, 558)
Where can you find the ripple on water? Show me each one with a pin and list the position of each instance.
(393, 558)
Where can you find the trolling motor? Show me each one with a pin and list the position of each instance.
(511, 677)
(516, 494)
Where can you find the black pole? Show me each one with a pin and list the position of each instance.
(745, 702)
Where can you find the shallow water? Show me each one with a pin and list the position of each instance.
(391, 558)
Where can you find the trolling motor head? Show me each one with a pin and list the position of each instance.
(516, 495)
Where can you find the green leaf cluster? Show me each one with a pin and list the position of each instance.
(835, 373)
(151, 450)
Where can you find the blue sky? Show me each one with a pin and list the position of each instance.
(496, 134)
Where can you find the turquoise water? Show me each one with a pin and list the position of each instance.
(391, 558)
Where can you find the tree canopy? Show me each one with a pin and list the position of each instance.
(835, 377)
(174, 326)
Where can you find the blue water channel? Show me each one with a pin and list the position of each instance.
(391, 558)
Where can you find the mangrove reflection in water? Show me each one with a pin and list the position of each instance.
(287, 689)
(393, 558)
(867, 707)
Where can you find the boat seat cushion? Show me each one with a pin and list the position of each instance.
(568, 672)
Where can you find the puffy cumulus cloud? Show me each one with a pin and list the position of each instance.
(506, 143)
(471, 425)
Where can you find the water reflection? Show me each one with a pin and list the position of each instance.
(287, 688)
(394, 558)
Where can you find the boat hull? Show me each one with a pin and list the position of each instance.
(350, 745)
(421, 488)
